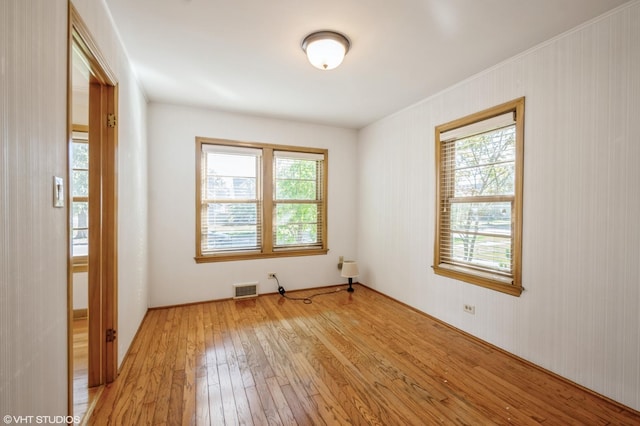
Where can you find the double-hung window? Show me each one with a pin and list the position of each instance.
(80, 198)
(479, 198)
(259, 200)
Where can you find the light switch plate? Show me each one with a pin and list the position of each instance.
(58, 191)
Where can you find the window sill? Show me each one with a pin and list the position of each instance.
(229, 257)
(80, 267)
(498, 284)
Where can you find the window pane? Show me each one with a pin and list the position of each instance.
(486, 148)
(482, 251)
(485, 164)
(485, 180)
(80, 183)
(296, 224)
(231, 188)
(480, 235)
(231, 165)
(80, 232)
(80, 242)
(80, 214)
(296, 179)
(231, 226)
(231, 176)
(80, 155)
(486, 218)
(295, 168)
(288, 189)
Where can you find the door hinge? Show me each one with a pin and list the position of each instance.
(111, 335)
(111, 120)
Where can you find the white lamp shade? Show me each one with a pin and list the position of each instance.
(325, 49)
(349, 269)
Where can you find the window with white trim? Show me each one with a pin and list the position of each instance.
(479, 198)
(259, 200)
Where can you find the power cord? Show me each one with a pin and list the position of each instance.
(306, 300)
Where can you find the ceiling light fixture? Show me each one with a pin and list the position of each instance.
(325, 49)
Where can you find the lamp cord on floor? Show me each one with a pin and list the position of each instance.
(306, 300)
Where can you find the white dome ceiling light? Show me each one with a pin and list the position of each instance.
(325, 49)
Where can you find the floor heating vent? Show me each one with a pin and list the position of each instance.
(241, 291)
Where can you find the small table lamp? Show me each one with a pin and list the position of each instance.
(349, 270)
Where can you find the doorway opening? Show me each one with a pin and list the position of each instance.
(91, 173)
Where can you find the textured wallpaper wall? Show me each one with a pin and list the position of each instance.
(578, 315)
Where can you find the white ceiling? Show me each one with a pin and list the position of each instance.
(245, 56)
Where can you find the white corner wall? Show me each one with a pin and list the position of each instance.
(33, 234)
(578, 315)
(132, 175)
(175, 278)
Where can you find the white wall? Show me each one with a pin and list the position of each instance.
(132, 175)
(581, 267)
(33, 234)
(174, 276)
(80, 290)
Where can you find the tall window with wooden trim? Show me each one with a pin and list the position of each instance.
(298, 199)
(80, 197)
(259, 200)
(479, 174)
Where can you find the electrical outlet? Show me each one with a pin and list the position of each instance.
(272, 275)
(470, 309)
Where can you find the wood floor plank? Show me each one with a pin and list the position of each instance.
(236, 363)
(201, 386)
(241, 316)
(255, 405)
(347, 358)
(190, 367)
(282, 407)
(163, 399)
(214, 402)
(335, 401)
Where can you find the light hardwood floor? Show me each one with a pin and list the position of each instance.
(83, 396)
(357, 358)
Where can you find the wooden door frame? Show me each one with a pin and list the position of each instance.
(103, 209)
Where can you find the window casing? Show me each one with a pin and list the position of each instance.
(479, 173)
(259, 200)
